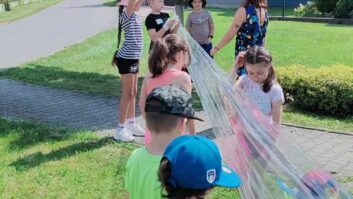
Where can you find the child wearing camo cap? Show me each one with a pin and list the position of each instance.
(167, 108)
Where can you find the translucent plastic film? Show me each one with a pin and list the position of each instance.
(270, 165)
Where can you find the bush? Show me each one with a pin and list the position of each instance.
(326, 90)
(307, 10)
(326, 6)
(344, 9)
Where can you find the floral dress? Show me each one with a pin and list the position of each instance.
(251, 33)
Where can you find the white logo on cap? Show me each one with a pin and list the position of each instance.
(211, 176)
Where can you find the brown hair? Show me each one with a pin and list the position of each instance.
(256, 3)
(190, 2)
(164, 173)
(164, 51)
(257, 55)
(115, 58)
(162, 123)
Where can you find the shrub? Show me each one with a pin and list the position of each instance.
(344, 9)
(307, 10)
(326, 6)
(325, 90)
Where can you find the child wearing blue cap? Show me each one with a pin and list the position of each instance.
(167, 108)
(191, 166)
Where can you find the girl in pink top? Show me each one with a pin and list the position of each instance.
(168, 57)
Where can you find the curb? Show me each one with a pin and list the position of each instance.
(317, 129)
(313, 20)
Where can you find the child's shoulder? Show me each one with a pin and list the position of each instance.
(276, 87)
(137, 154)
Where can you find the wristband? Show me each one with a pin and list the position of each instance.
(210, 36)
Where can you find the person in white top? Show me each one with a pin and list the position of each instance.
(260, 82)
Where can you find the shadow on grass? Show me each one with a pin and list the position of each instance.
(338, 25)
(106, 85)
(89, 82)
(39, 158)
(29, 134)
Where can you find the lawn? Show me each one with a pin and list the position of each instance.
(86, 66)
(42, 162)
(23, 11)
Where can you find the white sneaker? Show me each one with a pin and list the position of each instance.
(122, 134)
(136, 129)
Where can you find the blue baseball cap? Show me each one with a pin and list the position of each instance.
(196, 163)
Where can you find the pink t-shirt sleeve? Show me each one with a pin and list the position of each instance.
(276, 93)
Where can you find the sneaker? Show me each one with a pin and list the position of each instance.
(122, 134)
(136, 130)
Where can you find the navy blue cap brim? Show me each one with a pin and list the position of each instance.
(228, 178)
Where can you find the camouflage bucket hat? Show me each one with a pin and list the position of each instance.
(170, 100)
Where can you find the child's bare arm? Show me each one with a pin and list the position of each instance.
(131, 7)
(277, 112)
(156, 35)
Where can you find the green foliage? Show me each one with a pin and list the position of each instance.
(307, 10)
(326, 6)
(344, 9)
(325, 90)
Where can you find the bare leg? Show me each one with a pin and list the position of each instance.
(131, 110)
(128, 93)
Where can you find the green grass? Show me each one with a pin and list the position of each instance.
(23, 11)
(41, 162)
(318, 121)
(86, 66)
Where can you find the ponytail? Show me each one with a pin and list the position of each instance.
(163, 53)
(158, 58)
(270, 80)
(115, 58)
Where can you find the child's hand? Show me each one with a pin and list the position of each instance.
(239, 61)
(214, 50)
(209, 40)
(170, 24)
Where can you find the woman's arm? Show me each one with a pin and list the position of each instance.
(238, 20)
(277, 112)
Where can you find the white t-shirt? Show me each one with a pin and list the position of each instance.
(259, 97)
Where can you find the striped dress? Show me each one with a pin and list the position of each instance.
(133, 44)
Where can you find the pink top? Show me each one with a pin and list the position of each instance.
(164, 79)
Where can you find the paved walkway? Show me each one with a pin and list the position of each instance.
(53, 29)
(87, 111)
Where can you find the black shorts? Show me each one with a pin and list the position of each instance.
(126, 66)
